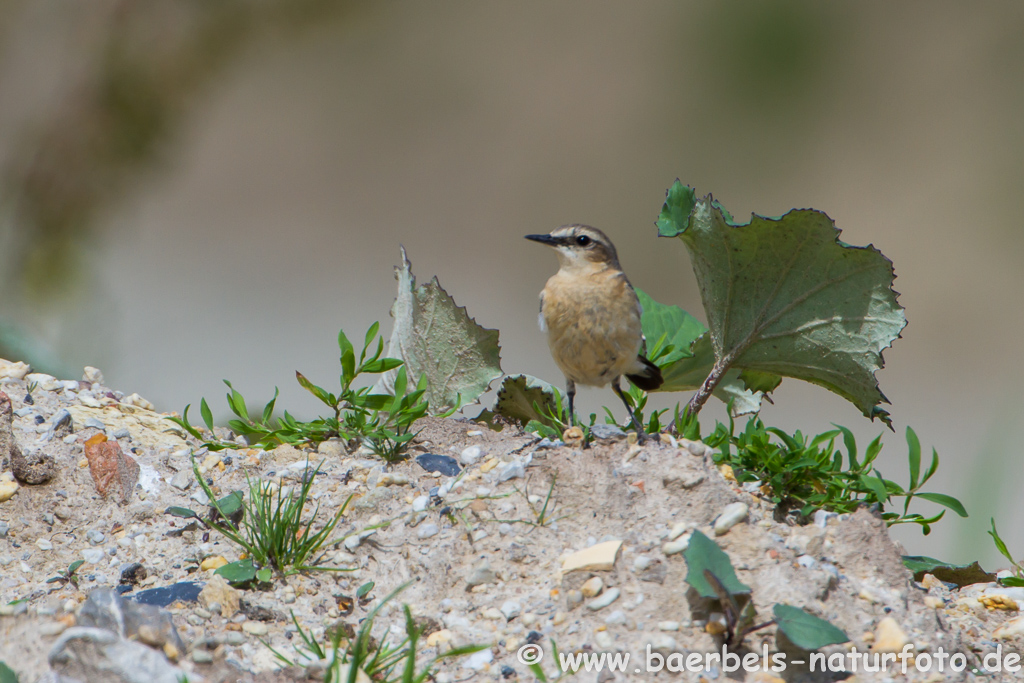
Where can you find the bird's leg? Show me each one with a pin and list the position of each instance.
(570, 391)
(640, 433)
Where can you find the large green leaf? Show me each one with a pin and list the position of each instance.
(960, 574)
(806, 631)
(438, 339)
(704, 554)
(689, 357)
(519, 398)
(785, 296)
(7, 674)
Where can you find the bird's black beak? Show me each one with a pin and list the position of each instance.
(544, 239)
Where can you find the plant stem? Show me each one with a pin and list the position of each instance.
(704, 393)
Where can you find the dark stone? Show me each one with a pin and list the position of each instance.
(444, 464)
(533, 637)
(132, 574)
(507, 671)
(259, 612)
(29, 400)
(61, 425)
(185, 591)
(36, 468)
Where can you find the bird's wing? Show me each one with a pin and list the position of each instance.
(540, 316)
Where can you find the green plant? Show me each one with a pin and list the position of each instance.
(382, 421)
(804, 474)
(382, 662)
(7, 674)
(269, 525)
(69, 575)
(711, 574)
(545, 515)
(1018, 571)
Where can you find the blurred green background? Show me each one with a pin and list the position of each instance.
(202, 190)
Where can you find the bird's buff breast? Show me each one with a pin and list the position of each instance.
(593, 326)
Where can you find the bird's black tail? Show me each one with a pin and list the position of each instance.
(649, 378)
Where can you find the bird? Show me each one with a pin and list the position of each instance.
(591, 315)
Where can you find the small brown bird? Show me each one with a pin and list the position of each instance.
(592, 316)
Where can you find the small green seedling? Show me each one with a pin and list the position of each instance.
(1018, 571)
(711, 574)
(382, 661)
(69, 575)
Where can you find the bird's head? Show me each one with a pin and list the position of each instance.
(580, 246)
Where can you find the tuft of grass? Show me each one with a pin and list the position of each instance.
(382, 662)
(382, 422)
(801, 474)
(274, 530)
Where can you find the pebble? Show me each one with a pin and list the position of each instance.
(255, 628)
(510, 609)
(419, 504)
(202, 656)
(513, 470)
(607, 432)
(44, 544)
(95, 537)
(668, 625)
(605, 599)
(214, 562)
(889, 636)
(806, 561)
(428, 530)
(677, 530)
(53, 628)
(121, 433)
(470, 455)
(641, 562)
(94, 424)
(592, 587)
(4, 528)
(182, 480)
(92, 555)
(599, 557)
(733, 514)
(616, 617)
(393, 479)
(479, 661)
(604, 640)
(481, 575)
(92, 375)
(492, 613)
(676, 546)
(8, 487)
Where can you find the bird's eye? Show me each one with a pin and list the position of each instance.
(583, 240)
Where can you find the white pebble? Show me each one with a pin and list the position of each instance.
(668, 625)
(511, 609)
(733, 514)
(603, 600)
(420, 503)
(470, 455)
(428, 530)
(676, 546)
(44, 544)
